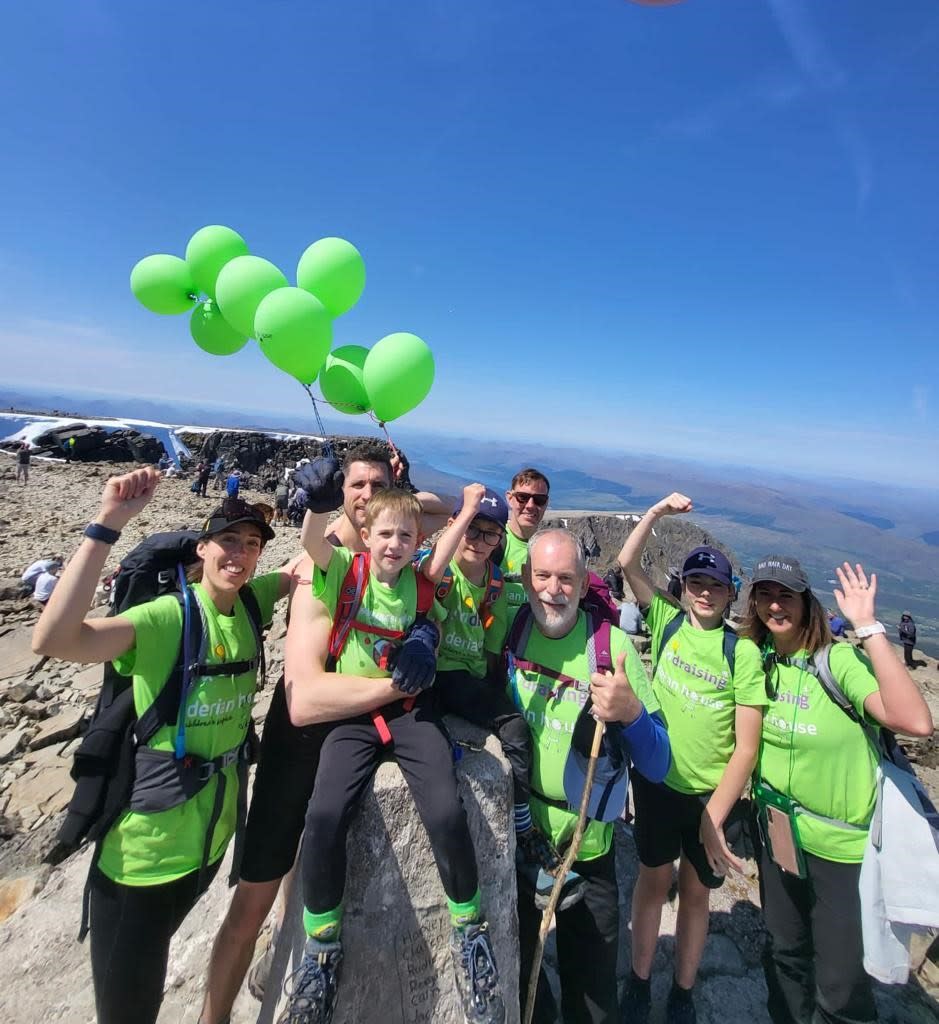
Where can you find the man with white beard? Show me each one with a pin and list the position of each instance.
(550, 682)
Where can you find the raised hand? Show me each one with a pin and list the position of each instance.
(322, 479)
(675, 504)
(614, 699)
(473, 495)
(857, 594)
(124, 496)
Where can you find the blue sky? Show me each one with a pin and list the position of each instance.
(706, 230)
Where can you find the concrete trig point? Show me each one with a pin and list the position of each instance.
(396, 927)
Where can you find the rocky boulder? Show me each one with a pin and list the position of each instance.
(394, 891)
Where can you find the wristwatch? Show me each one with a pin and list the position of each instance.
(863, 632)
(103, 533)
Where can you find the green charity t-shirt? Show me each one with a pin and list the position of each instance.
(392, 608)
(516, 555)
(698, 697)
(551, 709)
(150, 849)
(813, 753)
(464, 640)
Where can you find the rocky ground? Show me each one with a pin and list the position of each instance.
(44, 704)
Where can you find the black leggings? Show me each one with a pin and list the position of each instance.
(131, 928)
(483, 702)
(348, 760)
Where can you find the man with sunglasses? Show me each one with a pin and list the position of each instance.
(528, 500)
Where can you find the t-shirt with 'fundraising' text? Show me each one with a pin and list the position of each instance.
(813, 753)
(699, 697)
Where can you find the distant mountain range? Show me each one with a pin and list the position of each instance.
(820, 521)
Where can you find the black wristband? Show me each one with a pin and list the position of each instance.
(103, 533)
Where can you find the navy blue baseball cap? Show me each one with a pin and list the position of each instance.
(706, 561)
(492, 507)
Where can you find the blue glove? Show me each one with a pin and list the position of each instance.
(416, 663)
(322, 479)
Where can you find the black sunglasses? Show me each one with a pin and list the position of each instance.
(524, 497)
(489, 536)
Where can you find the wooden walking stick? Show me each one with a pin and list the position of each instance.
(565, 866)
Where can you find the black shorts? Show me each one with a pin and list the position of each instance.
(666, 826)
(280, 501)
(282, 788)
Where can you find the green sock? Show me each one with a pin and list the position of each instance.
(324, 927)
(462, 914)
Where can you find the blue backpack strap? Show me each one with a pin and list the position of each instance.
(730, 648)
(671, 628)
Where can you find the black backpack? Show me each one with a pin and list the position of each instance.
(105, 764)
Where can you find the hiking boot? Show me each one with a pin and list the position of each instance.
(637, 1002)
(680, 1007)
(572, 890)
(477, 977)
(537, 849)
(311, 997)
(261, 969)
(541, 882)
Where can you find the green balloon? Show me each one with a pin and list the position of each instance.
(241, 285)
(341, 380)
(212, 332)
(294, 332)
(333, 270)
(163, 284)
(209, 249)
(398, 375)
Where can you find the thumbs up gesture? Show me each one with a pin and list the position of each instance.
(614, 699)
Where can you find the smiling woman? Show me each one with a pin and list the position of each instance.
(166, 845)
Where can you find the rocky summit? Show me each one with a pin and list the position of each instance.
(45, 705)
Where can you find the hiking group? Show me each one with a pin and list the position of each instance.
(499, 622)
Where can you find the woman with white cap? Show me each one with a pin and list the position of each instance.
(815, 784)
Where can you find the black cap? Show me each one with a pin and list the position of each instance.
(707, 561)
(233, 511)
(779, 569)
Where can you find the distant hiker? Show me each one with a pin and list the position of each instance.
(613, 578)
(673, 584)
(711, 690)
(164, 462)
(815, 784)
(163, 852)
(281, 497)
(22, 463)
(836, 624)
(41, 578)
(630, 618)
(68, 446)
(233, 484)
(549, 661)
(380, 703)
(528, 499)
(907, 631)
(218, 473)
(202, 478)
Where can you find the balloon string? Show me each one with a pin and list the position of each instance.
(327, 447)
(381, 426)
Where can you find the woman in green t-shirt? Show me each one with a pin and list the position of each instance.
(152, 866)
(815, 785)
(710, 689)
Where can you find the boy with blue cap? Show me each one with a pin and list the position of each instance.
(470, 588)
(710, 687)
